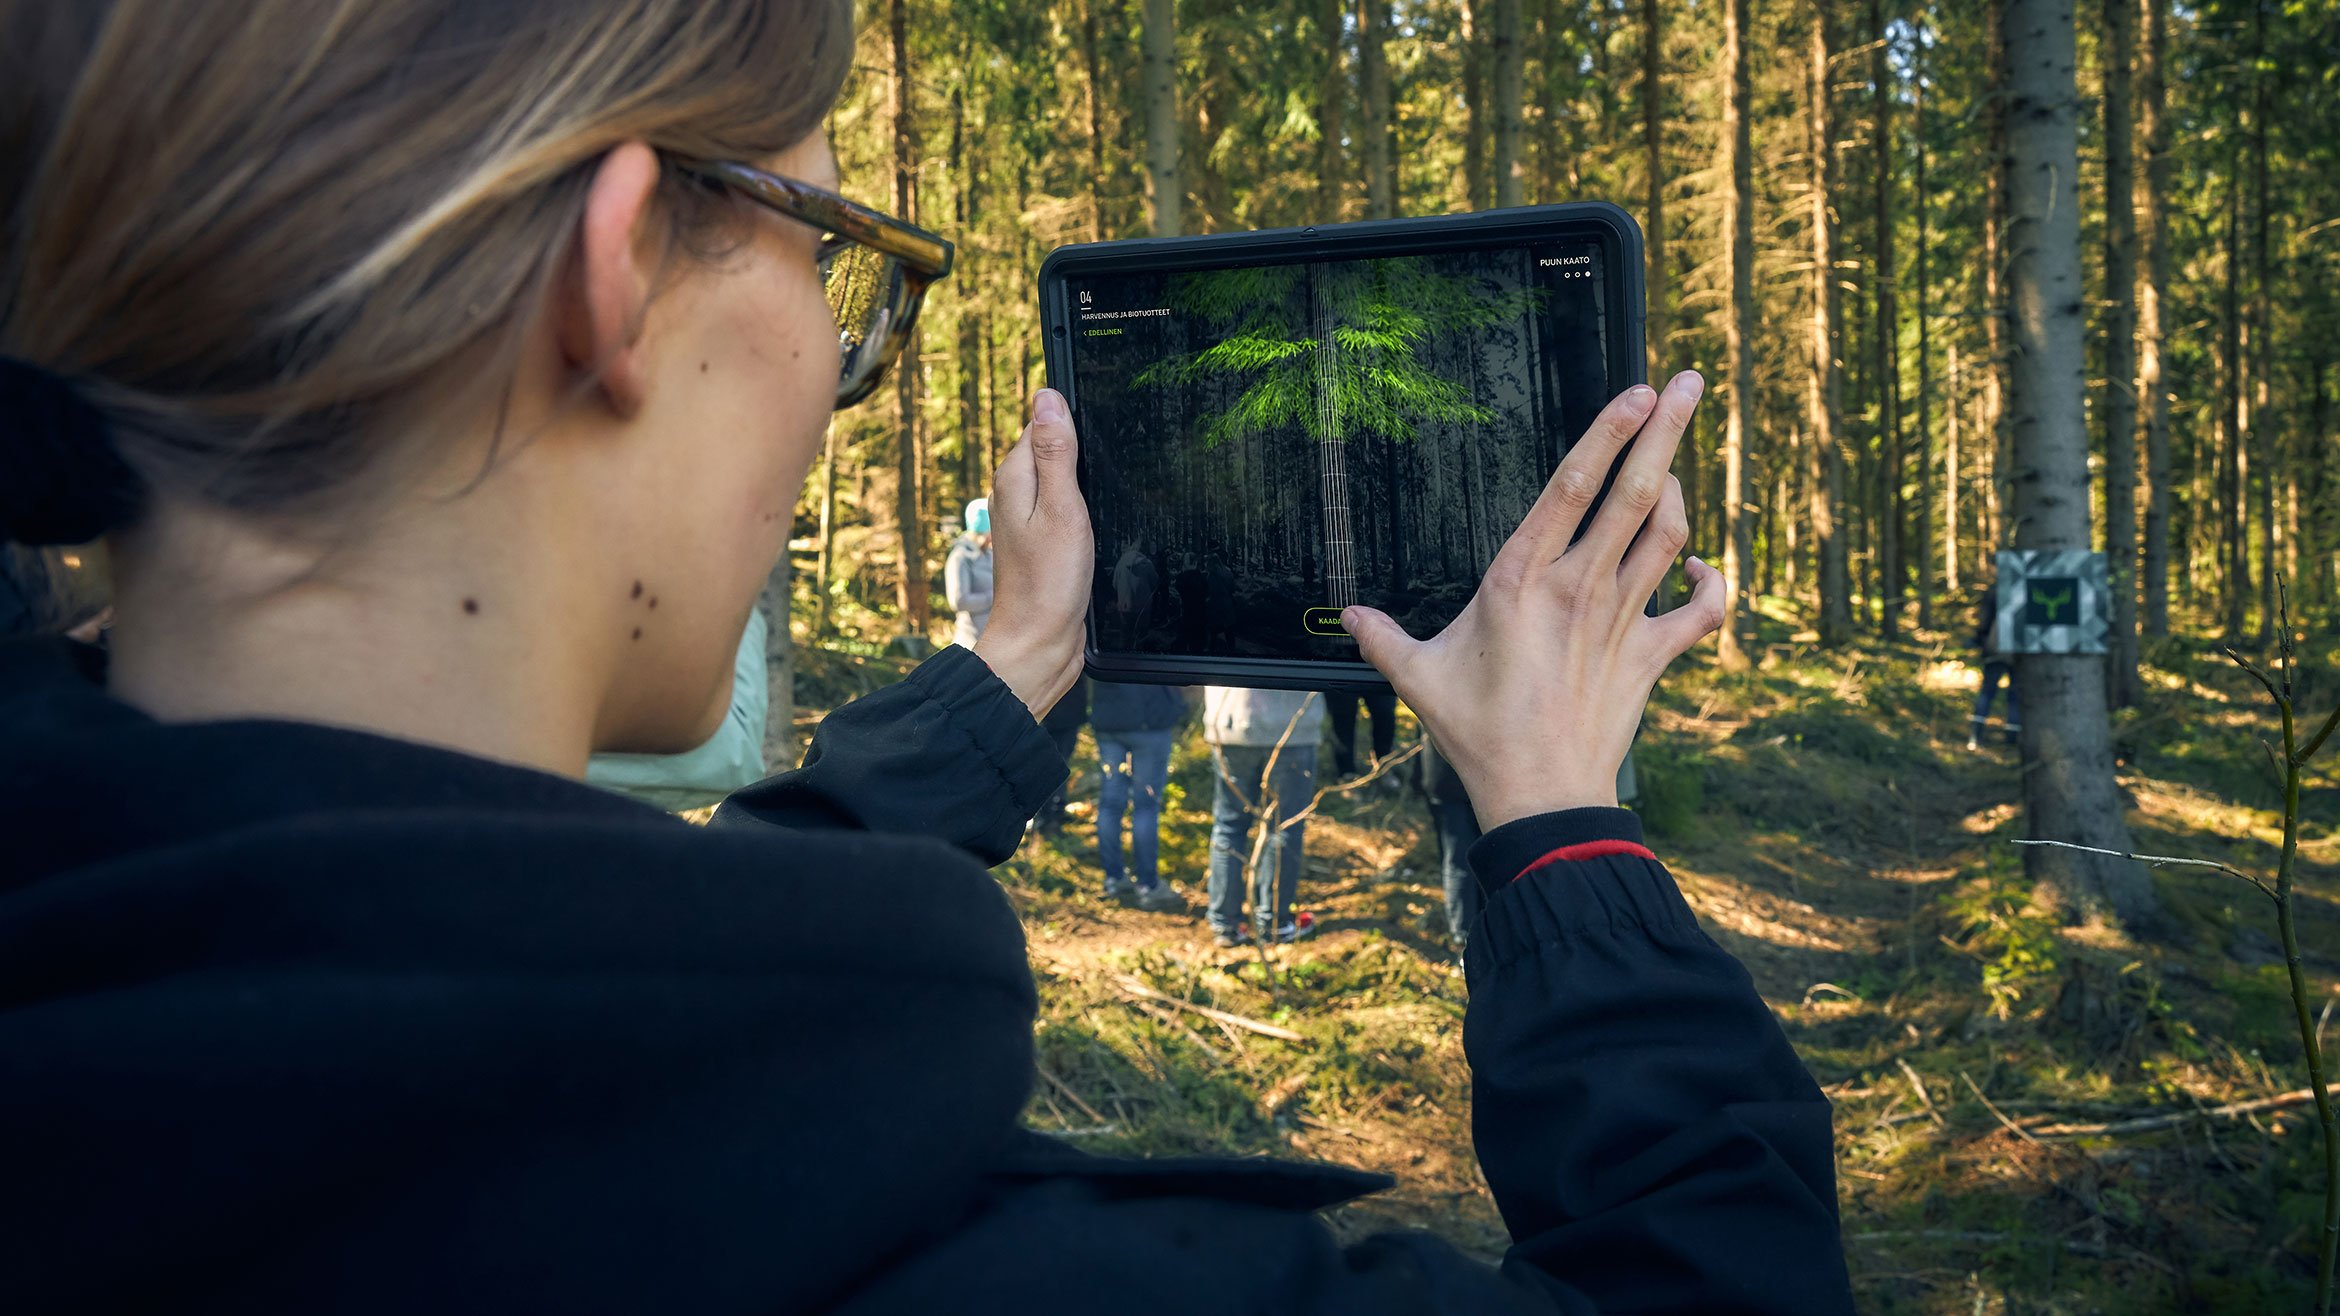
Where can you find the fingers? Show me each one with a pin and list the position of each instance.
(1677, 632)
(1544, 533)
(1641, 483)
(1661, 537)
(1381, 642)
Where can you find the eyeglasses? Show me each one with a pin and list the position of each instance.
(875, 268)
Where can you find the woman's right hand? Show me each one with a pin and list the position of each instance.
(1042, 554)
(1534, 693)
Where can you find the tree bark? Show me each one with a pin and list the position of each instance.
(1332, 94)
(1952, 477)
(1825, 391)
(1091, 66)
(1654, 166)
(1473, 52)
(1891, 587)
(2120, 351)
(2262, 433)
(1925, 353)
(825, 568)
(1165, 194)
(2068, 783)
(2152, 343)
(1510, 56)
(2233, 424)
(910, 593)
(1738, 346)
(779, 745)
(1373, 89)
(1994, 273)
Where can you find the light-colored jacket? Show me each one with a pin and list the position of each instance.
(1234, 715)
(733, 757)
(967, 583)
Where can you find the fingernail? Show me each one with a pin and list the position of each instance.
(1692, 383)
(1048, 407)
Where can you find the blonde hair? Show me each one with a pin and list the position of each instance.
(245, 228)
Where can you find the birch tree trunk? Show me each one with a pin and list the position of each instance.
(1165, 195)
(2068, 783)
(2120, 350)
(1738, 349)
(1825, 392)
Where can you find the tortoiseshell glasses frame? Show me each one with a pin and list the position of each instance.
(875, 268)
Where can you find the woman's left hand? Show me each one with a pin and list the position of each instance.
(1043, 557)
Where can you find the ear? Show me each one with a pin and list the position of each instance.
(606, 287)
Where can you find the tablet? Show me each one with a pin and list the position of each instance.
(1276, 425)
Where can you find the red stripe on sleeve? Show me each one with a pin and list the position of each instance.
(1589, 850)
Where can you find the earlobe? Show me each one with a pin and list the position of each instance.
(608, 280)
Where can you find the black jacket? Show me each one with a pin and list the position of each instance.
(296, 1019)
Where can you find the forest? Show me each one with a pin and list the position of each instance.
(1963, 277)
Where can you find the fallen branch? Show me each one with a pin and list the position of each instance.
(1070, 1095)
(2235, 1110)
(1919, 1085)
(1138, 989)
(2011, 1126)
(2162, 861)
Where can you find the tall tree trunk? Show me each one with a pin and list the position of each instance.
(1165, 194)
(1995, 431)
(1373, 89)
(1653, 134)
(2262, 433)
(1825, 392)
(2120, 350)
(826, 564)
(2151, 389)
(1952, 477)
(1091, 62)
(910, 593)
(779, 747)
(2233, 424)
(1332, 94)
(1738, 345)
(1891, 586)
(1510, 56)
(1925, 351)
(1473, 52)
(2068, 782)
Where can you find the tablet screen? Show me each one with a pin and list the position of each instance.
(1267, 444)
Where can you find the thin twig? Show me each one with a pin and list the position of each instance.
(1918, 1085)
(2162, 860)
(1139, 989)
(2011, 1126)
(2233, 1110)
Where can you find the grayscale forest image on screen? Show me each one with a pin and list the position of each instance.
(1265, 445)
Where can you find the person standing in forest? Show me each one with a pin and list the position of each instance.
(1263, 761)
(1341, 707)
(1457, 826)
(1997, 670)
(331, 987)
(1063, 722)
(1136, 726)
(967, 576)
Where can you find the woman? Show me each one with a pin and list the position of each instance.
(442, 375)
(967, 574)
(1136, 727)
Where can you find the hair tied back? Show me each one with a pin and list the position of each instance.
(61, 479)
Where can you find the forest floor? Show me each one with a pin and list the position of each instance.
(1830, 828)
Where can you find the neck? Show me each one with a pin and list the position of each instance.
(420, 633)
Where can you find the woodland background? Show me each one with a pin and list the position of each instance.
(1956, 285)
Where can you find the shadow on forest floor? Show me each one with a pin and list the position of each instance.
(1826, 820)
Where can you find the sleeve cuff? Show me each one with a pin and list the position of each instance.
(1002, 729)
(1517, 848)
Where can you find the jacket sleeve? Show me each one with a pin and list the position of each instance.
(948, 753)
(1651, 1140)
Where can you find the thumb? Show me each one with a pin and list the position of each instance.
(1055, 448)
(1380, 641)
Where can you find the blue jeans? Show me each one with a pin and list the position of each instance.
(1995, 672)
(1139, 760)
(1458, 831)
(1235, 804)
